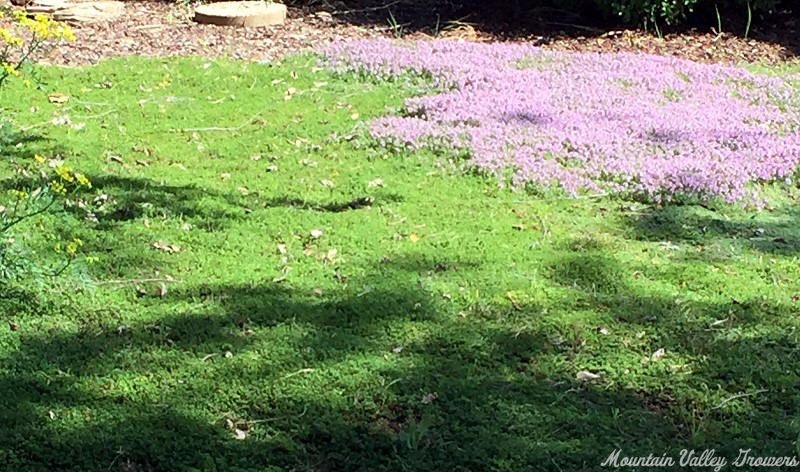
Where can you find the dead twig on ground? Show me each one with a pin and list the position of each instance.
(253, 120)
(738, 395)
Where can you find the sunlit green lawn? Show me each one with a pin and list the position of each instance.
(273, 292)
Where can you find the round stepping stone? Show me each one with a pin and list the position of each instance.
(248, 13)
(83, 12)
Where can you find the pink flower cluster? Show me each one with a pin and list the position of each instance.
(645, 125)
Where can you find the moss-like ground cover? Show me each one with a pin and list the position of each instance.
(273, 292)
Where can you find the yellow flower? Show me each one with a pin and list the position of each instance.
(40, 159)
(10, 69)
(19, 194)
(10, 38)
(66, 33)
(58, 188)
(83, 181)
(65, 173)
(73, 246)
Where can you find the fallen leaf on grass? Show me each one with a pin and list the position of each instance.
(284, 274)
(58, 98)
(168, 248)
(327, 183)
(375, 183)
(513, 301)
(586, 376)
(282, 249)
(316, 233)
(429, 398)
(330, 256)
(239, 428)
(61, 120)
(658, 354)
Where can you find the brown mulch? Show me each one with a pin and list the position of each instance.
(157, 28)
(152, 28)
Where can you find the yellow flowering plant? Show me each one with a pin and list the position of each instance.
(41, 184)
(24, 39)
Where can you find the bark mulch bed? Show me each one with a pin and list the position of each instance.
(157, 28)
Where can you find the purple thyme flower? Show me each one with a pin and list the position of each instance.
(646, 125)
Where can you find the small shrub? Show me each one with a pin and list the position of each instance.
(41, 184)
(26, 39)
(675, 11)
(670, 11)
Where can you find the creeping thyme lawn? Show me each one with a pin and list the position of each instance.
(271, 290)
(640, 125)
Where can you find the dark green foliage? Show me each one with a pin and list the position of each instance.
(676, 11)
(632, 11)
(635, 12)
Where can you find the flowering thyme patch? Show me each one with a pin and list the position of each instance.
(642, 125)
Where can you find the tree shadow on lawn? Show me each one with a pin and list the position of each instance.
(15, 143)
(331, 207)
(21, 145)
(474, 420)
(315, 382)
(776, 233)
(744, 353)
(133, 198)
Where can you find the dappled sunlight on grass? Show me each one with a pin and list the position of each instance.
(280, 297)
